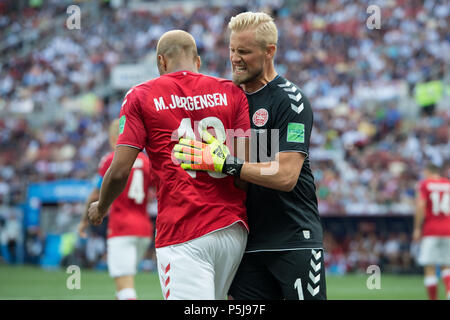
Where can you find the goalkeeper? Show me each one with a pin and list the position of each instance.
(284, 253)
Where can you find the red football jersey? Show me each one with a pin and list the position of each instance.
(154, 116)
(128, 213)
(436, 193)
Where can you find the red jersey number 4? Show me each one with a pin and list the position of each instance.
(136, 190)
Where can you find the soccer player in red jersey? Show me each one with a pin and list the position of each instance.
(432, 224)
(201, 227)
(129, 228)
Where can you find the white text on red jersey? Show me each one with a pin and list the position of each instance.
(198, 102)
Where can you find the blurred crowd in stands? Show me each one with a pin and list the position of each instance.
(369, 245)
(374, 127)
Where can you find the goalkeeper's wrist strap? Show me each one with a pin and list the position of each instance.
(232, 166)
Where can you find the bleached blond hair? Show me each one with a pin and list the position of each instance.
(265, 29)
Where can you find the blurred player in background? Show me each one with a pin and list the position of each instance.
(201, 227)
(432, 227)
(129, 229)
(284, 254)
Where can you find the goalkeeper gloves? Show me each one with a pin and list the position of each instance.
(210, 156)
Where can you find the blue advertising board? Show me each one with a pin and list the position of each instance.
(60, 191)
(69, 190)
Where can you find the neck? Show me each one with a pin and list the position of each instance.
(267, 75)
(182, 68)
(181, 65)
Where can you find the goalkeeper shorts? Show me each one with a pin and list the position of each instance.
(276, 275)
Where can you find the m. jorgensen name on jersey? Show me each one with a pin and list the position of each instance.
(192, 103)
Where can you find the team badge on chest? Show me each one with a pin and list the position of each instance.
(260, 117)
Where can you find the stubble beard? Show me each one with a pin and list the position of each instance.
(239, 79)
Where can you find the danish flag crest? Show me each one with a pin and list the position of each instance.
(260, 117)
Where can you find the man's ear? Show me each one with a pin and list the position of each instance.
(271, 50)
(162, 64)
(198, 62)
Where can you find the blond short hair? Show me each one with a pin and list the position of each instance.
(266, 30)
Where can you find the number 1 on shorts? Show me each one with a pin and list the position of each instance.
(298, 286)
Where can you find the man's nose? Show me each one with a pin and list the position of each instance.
(234, 57)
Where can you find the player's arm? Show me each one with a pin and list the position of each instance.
(418, 215)
(281, 174)
(94, 195)
(132, 137)
(114, 182)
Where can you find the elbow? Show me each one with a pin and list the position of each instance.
(120, 174)
(288, 184)
(290, 178)
(288, 187)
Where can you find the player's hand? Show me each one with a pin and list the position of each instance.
(196, 155)
(82, 226)
(94, 215)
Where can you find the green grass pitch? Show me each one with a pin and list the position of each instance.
(34, 283)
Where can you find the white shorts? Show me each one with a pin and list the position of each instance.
(202, 268)
(124, 254)
(434, 251)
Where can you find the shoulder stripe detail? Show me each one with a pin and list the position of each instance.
(286, 84)
(296, 98)
(294, 94)
(290, 89)
(297, 109)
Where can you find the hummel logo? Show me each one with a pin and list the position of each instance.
(286, 84)
(316, 255)
(314, 266)
(165, 281)
(292, 89)
(313, 291)
(296, 98)
(297, 109)
(289, 87)
(314, 279)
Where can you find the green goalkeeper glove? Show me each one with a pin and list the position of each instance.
(210, 156)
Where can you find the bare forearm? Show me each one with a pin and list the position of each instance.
(111, 188)
(281, 174)
(268, 175)
(418, 219)
(419, 213)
